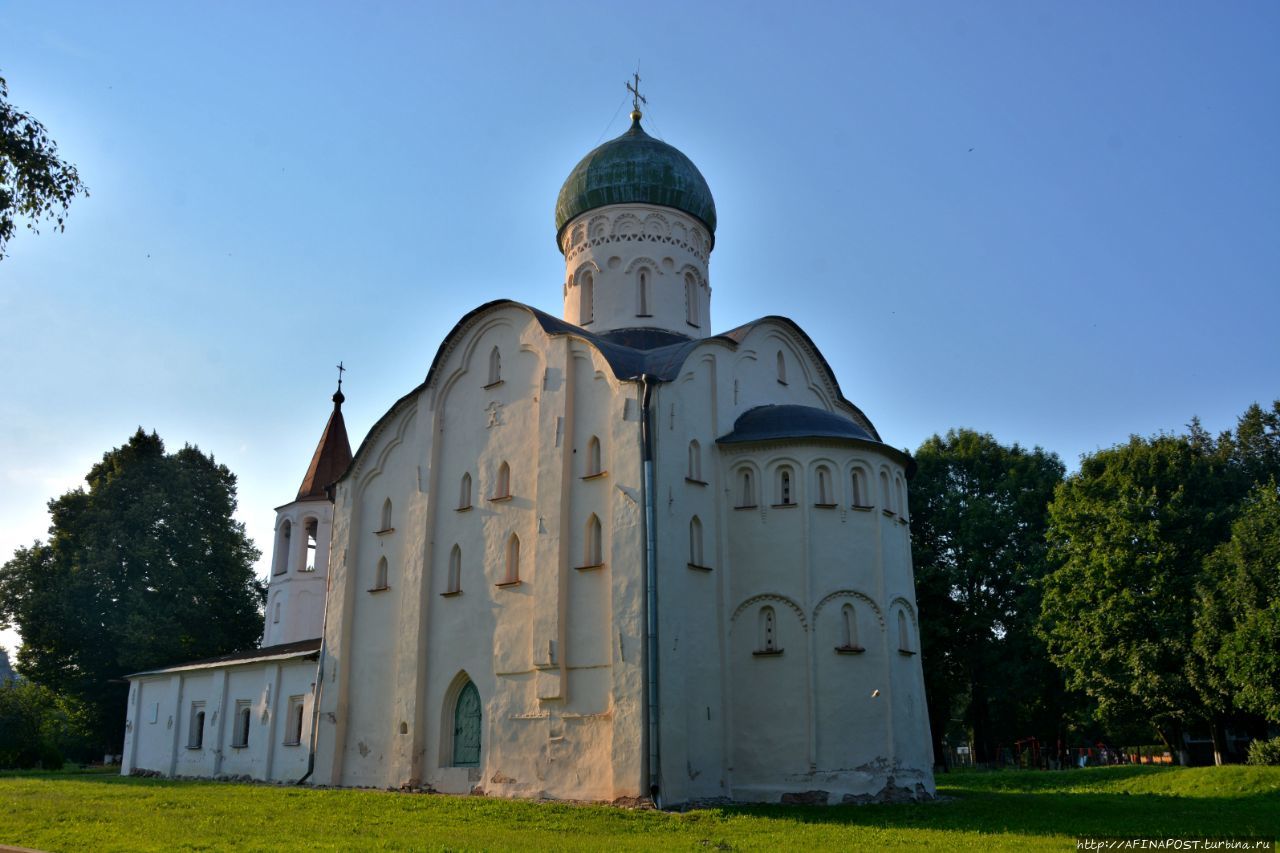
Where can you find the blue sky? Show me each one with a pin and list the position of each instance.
(1056, 222)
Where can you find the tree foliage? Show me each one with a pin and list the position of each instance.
(1133, 612)
(40, 727)
(35, 184)
(143, 569)
(1238, 627)
(978, 544)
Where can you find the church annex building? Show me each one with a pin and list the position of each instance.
(603, 556)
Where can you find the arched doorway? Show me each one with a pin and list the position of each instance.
(466, 727)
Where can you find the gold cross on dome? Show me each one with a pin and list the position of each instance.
(341, 370)
(636, 98)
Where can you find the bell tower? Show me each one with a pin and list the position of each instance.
(300, 556)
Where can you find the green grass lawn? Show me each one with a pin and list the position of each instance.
(980, 811)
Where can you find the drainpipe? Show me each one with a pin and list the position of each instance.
(315, 713)
(651, 590)
(324, 646)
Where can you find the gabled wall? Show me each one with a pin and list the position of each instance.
(556, 657)
(738, 719)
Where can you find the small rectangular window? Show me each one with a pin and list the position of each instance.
(243, 719)
(293, 730)
(195, 726)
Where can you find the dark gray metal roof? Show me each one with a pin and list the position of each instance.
(299, 649)
(788, 421)
(784, 422)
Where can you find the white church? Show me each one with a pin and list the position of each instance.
(609, 556)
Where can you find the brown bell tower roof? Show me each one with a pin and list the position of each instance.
(332, 456)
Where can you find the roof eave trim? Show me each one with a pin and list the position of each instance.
(314, 654)
(900, 455)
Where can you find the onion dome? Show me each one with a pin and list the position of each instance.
(636, 168)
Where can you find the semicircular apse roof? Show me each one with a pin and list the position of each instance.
(764, 423)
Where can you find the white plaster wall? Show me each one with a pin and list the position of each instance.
(289, 761)
(149, 736)
(162, 745)
(554, 684)
(809, 718)
(199, 686)
(558, 659)
(614, 243)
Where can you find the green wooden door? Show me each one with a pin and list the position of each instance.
(466, 728)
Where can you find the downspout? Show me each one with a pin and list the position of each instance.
(324, 645)
(651, 590)
(315, 700)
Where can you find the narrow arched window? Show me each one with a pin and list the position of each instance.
(195, 736)
(642, 293)
(593, 456)
(747, 488)
(386, 515)
(502, 486)
(312, 528)
(904, 635)
(784, 487)
(464, 492)
(495, 367)
(768, 630)
(695, 542)
(848, 627)
(886, 500)
(691, 299)
(243, 717)
(282, 550)
(782, 368)
(899, 491)
(824, 486)
(593, 555)
(275, 613)
(859, 487)
(297, 713)
(455, 570)
(380, 574)
(513, 559)
(586, 298)
(695, 461)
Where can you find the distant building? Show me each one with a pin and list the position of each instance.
(6, 671)
(603, 556)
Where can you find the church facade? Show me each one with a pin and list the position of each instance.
(605, 556)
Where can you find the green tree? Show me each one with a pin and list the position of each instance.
(35, 183)
(978, 544)
(1128, 536)
(1238, 626)
(143, 569)
(39, 726)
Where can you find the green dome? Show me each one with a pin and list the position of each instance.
(635, 167)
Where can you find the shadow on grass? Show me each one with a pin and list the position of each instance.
(1056, 813)
(996, 780)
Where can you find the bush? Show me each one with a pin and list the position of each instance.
(39, 727)
(1265, 752)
